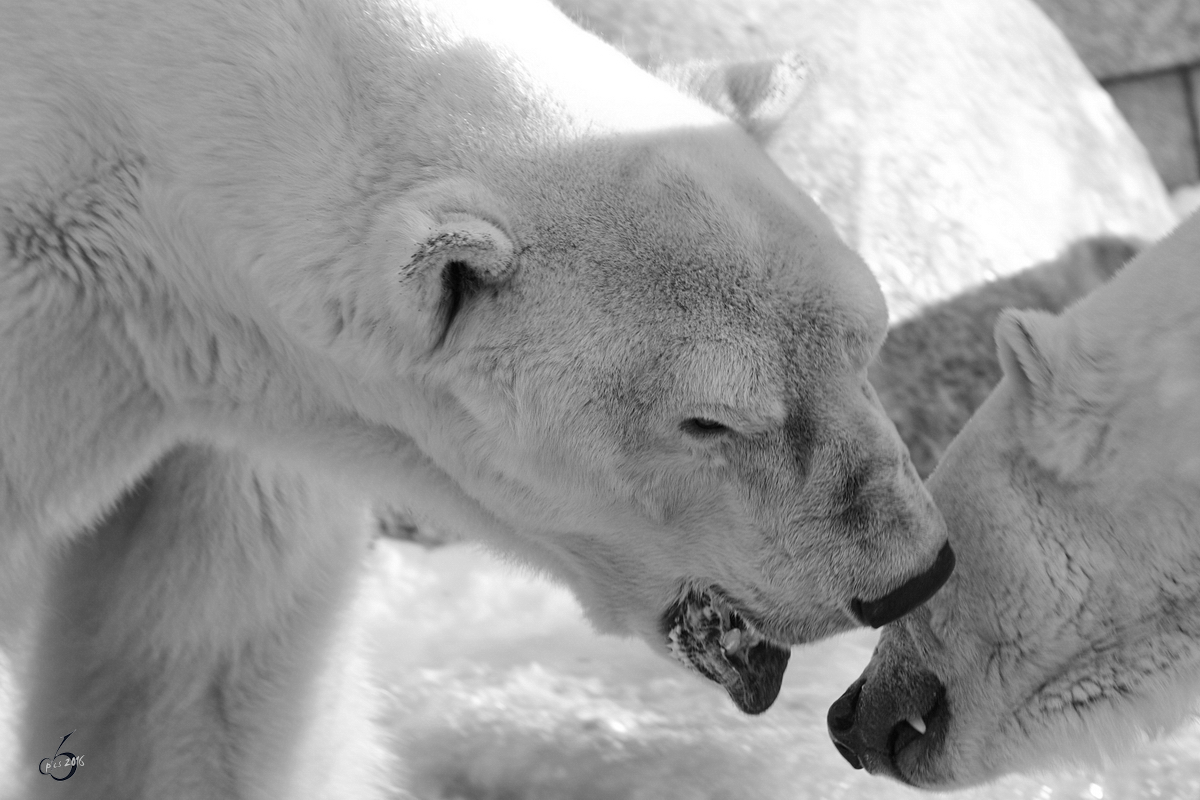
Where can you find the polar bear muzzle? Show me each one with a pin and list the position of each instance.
(706, 634)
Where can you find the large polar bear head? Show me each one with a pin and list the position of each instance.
(1071, 628)
(467, 252)
(644, 350)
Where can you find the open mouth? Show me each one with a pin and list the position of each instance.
(705, 633)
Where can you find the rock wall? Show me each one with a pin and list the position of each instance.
(952, 141)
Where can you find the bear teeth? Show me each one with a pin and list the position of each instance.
(706, 615)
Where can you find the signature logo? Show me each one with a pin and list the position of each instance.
(60, 761)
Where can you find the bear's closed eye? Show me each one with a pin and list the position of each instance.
(703, 428)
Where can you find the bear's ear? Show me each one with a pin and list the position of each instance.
(1061, 392)
(1023, 359)
(441, 261)
(756, 94)
(458, 259)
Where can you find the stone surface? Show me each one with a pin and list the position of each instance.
(1186, 200)
(1193, 83)
(1157, 109)
(951, 141)
(1123, 37)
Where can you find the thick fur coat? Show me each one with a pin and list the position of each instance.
(1071, 629)
(264, 261)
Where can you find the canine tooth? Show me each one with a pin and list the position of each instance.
(731, 640)
(917, 723)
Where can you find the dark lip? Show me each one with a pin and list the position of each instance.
(909, 595)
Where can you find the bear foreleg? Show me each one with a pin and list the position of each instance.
(197, 643)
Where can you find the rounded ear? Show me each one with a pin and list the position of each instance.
(758, 95)
(1021, 356)
(415, 240)
(440, 261)
(481, 245)
(1061, 396)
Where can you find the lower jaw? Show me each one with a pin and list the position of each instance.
(757, 694)
(709, 636)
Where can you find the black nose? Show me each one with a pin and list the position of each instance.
(912, 593)
(870, 724)
(840, 720)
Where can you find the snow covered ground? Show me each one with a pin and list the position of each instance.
(500, 691)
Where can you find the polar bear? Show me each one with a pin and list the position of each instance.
(266, 261)
(938, 366)
(1071, 629)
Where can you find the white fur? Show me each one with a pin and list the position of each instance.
(231, 231)
(1070, 631)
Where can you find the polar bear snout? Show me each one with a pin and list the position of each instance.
(884, 726)
(896, 716)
